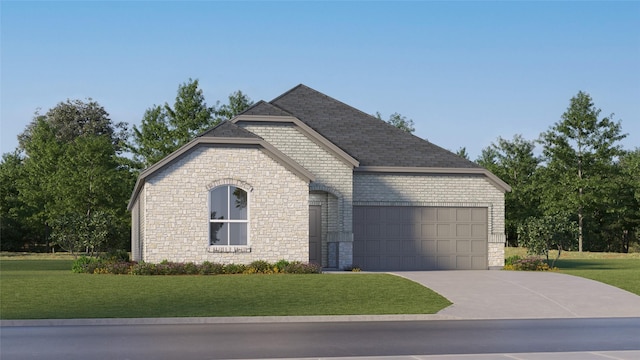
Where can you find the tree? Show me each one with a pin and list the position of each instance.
(514, 162)
(399, 121)
(462, 152)
(238, 102)
(164, 129)
(579, 152)
(74, 170)
(14, 232)
(540, 234)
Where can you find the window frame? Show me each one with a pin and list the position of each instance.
(228, 247)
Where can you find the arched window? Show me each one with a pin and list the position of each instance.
(229, 219)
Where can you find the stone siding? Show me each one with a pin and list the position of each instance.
(333, 176)
(175, 214)
(437, 190)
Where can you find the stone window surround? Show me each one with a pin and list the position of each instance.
(231, 248)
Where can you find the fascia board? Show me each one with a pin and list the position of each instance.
(261, 144)
(496, 181)
(307, 130)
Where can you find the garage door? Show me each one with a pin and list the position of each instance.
(419, 238)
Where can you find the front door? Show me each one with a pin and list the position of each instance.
(315, 235)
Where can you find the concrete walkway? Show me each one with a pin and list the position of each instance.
(484, 294)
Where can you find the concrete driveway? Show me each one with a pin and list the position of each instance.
(493, 294)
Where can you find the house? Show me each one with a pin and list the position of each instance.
(306, 177)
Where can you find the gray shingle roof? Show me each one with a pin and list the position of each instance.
(229, 130)
(371, 141)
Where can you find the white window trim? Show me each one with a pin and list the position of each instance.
(229, 248)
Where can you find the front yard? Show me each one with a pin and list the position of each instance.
(619, 270)
(47, 289)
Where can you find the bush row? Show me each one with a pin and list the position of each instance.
(530, 263)
(90, 265)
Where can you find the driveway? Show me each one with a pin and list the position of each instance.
(493, 294)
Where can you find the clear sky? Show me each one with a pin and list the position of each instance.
(465, 72)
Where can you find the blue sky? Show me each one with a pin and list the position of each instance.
(465, 72)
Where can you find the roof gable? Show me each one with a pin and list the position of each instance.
(371, 141)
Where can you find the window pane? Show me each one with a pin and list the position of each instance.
(218, 234)
(238, 204)
(238, 234)
(219, 203)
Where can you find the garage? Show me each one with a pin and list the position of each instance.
(420, 238)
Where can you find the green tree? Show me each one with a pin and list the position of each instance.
(74, 172)
(14, 232)
(237, 103)
(514, 162)
(462, 152)
(399, 121)
(579, 152)
(540, 234)
(164, 129)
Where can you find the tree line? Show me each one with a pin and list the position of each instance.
(67, 184)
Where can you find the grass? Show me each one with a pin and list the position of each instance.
(47, 289)
(619, 270)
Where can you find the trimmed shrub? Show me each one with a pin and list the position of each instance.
(281, 265)
(97, 266)
(530, 263)
(234, 268)
(259, 267)
(297, 267)
(209, 268)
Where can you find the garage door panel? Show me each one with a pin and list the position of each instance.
(443, 230)
(478, 231)
(463, 246)
(463, 215)
(428, 247)
(479, 215)
(463, 262)
(463, 230)
(478, 262)
(420, 238)
(428, 215)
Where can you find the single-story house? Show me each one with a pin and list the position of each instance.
(308, 178)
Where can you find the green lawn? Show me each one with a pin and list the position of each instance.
(47, 289)
(619, 270)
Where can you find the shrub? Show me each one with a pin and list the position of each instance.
(281, 265)
(234, 268)
(259, 267)
(511, 260)
(209, 268)
(85, 264)
(530, 263)
(297, 267)
(144, 268)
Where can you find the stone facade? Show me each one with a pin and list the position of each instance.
(172, 209)
(332, 188)
(438, 190)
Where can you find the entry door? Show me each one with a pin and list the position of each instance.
(315, 235)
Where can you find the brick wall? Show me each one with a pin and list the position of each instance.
(333, 177)
(175, 210)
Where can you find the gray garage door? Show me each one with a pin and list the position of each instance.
(419, 238)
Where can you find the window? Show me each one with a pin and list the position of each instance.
(229, 220)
